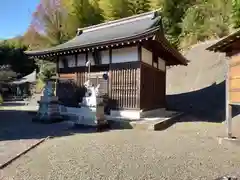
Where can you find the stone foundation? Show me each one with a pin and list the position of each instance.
(49, 110)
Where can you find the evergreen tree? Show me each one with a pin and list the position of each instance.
(86, 13)
(115, 9)
(139, 6)
(235, 16)
(208, 19)
(156, 4)
(11, 53)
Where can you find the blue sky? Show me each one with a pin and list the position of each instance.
(15, 16)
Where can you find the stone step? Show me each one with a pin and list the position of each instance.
(154, 125)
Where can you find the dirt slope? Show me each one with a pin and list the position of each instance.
(199, 88)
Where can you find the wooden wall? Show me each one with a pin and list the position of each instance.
(234, 80)
(153, 88)
(95, 78)
(137, 77)
(124, 87)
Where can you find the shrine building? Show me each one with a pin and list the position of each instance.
(133, 51)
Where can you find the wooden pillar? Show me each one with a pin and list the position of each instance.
(110, 74)
(57, 76)
(139, 76)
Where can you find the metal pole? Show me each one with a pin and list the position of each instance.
(228, 106)
(89, 66)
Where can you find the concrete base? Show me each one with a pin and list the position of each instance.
(138, 114)
(85, 116)
(155, 124)
(227, 140)
(158, 119)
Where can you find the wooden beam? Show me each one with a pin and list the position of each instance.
(76, 59)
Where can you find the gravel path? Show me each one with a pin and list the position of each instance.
(183, 151)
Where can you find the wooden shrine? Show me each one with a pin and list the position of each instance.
(132, 51)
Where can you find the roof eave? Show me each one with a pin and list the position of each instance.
(143, 35)
(179, 57)
(223, 43)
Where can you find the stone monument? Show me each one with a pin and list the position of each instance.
(48, 111)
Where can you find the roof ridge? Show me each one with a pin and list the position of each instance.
(119, 21)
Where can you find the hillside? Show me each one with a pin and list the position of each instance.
(199, 88)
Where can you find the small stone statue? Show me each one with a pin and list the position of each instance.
(48, 106)
(48, 89)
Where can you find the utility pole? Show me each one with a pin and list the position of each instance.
(228, 105)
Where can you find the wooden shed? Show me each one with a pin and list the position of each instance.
(231, 46)
(132, 51)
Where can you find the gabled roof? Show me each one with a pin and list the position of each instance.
(114, 33)
(225, 42)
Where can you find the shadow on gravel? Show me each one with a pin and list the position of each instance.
(207, 104)
(9, 103)
(18, 125)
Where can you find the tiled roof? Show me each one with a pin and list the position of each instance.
(120, 32)
(113, 31)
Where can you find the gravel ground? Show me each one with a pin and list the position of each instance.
(198, 88)
(18, 133)
(183, 151)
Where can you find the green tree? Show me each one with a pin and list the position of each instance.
(235, 16)
(156, 4)
(7, 75)
(206, 20)
(173, 12)
(85, 13)
(123, 8)
(34, 40)
(13, 55)
(139, 6)
(47, 69)
(115, 9)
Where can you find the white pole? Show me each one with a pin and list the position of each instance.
(228, 106)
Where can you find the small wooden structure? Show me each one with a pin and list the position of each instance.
(231, 46)
(132, 51)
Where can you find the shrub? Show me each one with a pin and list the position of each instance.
(1, 99)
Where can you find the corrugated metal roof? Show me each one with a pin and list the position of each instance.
(225, 42)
